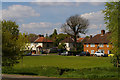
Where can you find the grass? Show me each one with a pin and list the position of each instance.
(65, 66)
(74, 62)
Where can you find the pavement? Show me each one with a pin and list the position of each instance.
(26, 77)
(30, 77)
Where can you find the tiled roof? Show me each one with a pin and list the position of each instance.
(42, 39)
(99, 38)
(80, 39)
(67, 40)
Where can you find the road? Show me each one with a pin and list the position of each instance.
(26, 77)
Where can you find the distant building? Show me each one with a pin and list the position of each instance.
(70, 42)
(99, 42)
(43, 43)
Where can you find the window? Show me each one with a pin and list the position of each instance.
(92, 51)
(87, 50)
(87, 45)
(92, 45)
(101, 45)
(107, 45)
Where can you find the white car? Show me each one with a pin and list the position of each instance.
(65, 53)
(98, 53)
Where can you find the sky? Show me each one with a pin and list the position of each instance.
(44, 17)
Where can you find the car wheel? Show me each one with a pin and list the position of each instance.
(95, 55)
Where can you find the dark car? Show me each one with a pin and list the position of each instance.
(29, 54)
(84, 54)
(53, 50)
(87, 54)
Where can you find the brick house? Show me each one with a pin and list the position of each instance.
(99, 42)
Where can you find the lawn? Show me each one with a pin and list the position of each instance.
(74, 62)
(65, 66)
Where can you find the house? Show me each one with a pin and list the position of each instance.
(31, 44)
(70, 42)
(43, 43)
(99, 42)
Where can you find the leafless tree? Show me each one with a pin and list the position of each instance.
(74, 26)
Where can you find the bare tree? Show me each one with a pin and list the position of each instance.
(74, 26)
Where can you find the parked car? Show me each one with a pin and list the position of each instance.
(98, 53)
(110, 55)
(84, 54)
(53, 50)
(29, 54)
(65, 53)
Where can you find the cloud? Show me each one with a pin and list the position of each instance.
(56, 3)
(71, 0)
(95, 16)
(42, 27)
(96, 3)
(19, 11)
(59, 0)
(96, 22)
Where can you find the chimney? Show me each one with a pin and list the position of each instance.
(102, 32)
(90, 36)
(40, 35)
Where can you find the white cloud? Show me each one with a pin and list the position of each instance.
(56, 3)
(92, 26)
(19, 11)
(59, 0)
(96, 3)
(94, 16)
(96, 20)
(42, 27)
(71, 0)
(39, 25)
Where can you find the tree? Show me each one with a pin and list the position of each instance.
(32, 35)
(13, 43)
(54, 33)
(62, 46)
(75, 25)
(112, 21)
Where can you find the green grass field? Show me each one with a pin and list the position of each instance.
(65, 66)
(74, 62)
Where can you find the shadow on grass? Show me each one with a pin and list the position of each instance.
(85, 73)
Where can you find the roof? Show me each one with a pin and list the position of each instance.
(32, 39)
(42, 39)
(67, 40)
(80, 39)
(99, 38)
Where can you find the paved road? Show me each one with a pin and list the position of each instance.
(24, 77)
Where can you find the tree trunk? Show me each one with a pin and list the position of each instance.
(75, 43)
(117, 61)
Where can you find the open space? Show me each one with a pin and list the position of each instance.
(65, 66)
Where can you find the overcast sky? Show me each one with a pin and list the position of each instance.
(44, 17)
